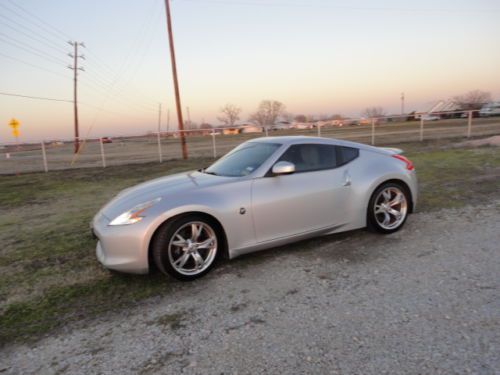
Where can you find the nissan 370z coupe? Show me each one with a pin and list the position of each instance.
(264, 193)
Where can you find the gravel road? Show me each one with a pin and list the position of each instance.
(422, 301)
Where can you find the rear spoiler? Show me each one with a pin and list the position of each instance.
(392, 151)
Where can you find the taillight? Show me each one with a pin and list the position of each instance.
(409, 164)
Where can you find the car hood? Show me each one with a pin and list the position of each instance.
(159, 187)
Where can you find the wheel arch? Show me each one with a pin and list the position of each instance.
(396, 181)
(220, 229)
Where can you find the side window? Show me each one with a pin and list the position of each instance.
(346, 154)
(311, 157)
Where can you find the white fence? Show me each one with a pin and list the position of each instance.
(211, 143)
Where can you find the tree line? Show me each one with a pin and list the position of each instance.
(270, 111)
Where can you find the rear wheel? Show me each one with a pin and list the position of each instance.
(388, 208)
(186, 248)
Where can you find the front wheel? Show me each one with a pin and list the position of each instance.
(186, 248)
(388, 208)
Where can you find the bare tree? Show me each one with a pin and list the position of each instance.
(336, 116)
(287, 116)
(206, 126)
(373, 112)
(230, 114)
(267, 113)
(300, 118)
(474, 99)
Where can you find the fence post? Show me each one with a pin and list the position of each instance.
(373, 132)
(421, 128)
(213, 144)
(44, 155)
(319, 130)
(469, 125)
(265, 128)
(159, 148)
(103, 157)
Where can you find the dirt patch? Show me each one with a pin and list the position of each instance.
(491, 141)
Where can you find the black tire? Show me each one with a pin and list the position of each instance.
(161, 245)
(373, 219)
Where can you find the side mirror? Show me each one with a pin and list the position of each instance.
(283, 167)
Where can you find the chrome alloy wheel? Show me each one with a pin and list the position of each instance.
(192, 248)
(390, 208)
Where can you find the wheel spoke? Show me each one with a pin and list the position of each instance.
(180, 238)
(198, 260)
(387, 219)
(387, 195)
(394, 213)
(195, 231)
(179, 243)
(205, 244)
(182, 260)
(397, 200)
(379, 209)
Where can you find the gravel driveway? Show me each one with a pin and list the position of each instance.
(422, 301)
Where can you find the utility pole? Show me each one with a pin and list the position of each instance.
(402, 103)
(158, 137)
(188, 123)
(75, 69)
(168, 120)
(176, 82)
(159, 119)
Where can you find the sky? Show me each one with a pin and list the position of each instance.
(318, 57)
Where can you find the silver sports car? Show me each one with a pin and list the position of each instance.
(264, 193)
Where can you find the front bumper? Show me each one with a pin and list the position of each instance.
(122, 248)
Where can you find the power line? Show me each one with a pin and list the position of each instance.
(35, 97)
(118, 72)
(35, 51)
(28, 48)
(100, 83)
(63, 34)
(34, 66)
(113, 95)
(36, 23)
(62, 100)
(38, 37)
(135, 51)
(289, 4)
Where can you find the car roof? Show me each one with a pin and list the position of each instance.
(299, 139)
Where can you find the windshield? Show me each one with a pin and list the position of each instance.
(243, 160)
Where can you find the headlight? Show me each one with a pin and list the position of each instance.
(135, 214)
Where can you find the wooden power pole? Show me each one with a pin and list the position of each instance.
(176, 82)
(75, 69)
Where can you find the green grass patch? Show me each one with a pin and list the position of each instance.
(49, 275)
(455, 177)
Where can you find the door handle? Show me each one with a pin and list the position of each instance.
(347, 178)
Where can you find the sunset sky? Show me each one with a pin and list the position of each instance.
(316, 56)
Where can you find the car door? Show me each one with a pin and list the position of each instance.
(313, 198)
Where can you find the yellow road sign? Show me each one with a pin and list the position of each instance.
(15, 132)
(14, 124)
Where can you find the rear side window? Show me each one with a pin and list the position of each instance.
(346, 154)
(311, 157)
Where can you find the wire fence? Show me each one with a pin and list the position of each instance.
(215, 142)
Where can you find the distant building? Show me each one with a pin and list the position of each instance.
(230, 131)
(441, 108)
(301, 125)
(251, 129)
